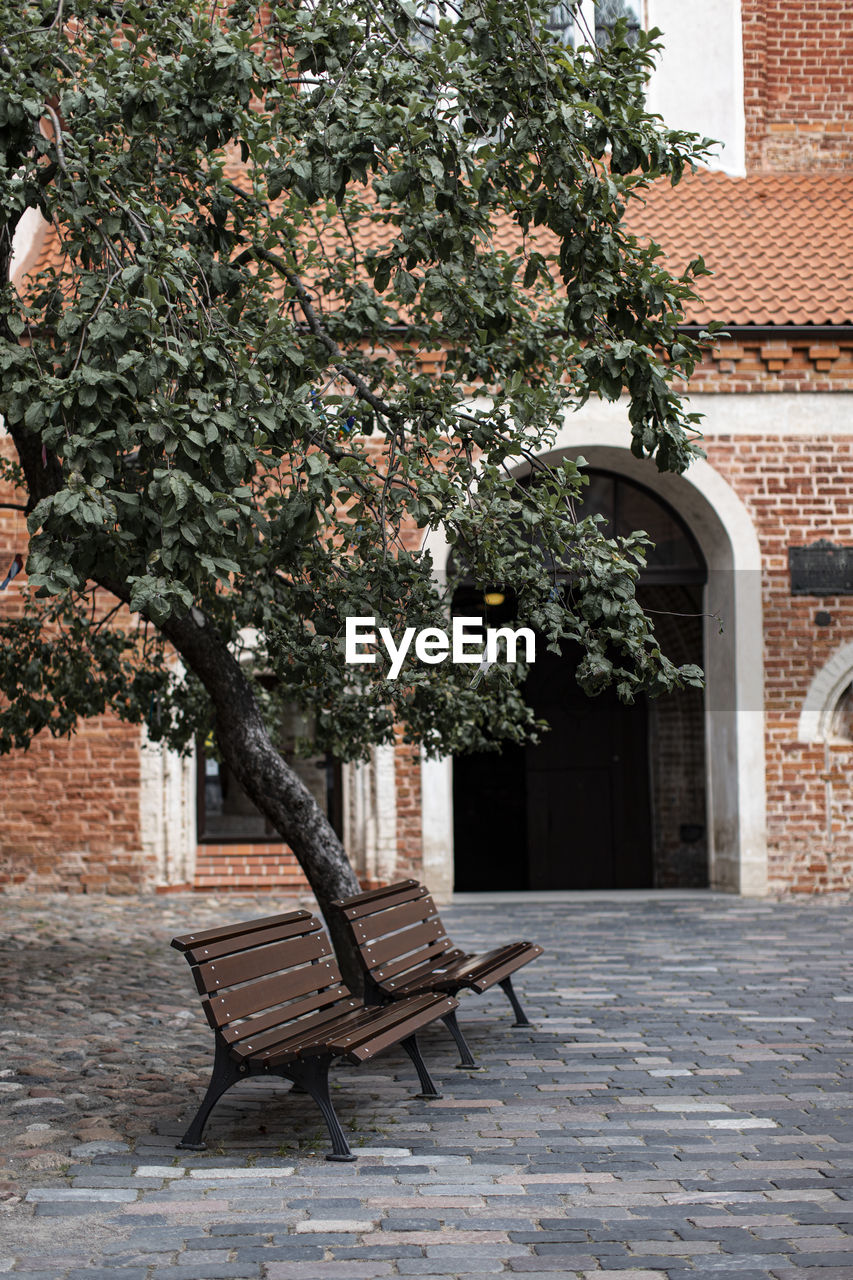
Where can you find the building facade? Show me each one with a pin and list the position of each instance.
(745, 786)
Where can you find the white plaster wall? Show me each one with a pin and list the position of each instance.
(167, 812)
(370, 814)
(698, 84)
(437, 826)
(26, 243)
(775, 413)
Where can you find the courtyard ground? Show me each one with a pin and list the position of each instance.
(681, 1107)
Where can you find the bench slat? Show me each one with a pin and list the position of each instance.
(255, 938)
(357, 1030)
(250, 1028)
(382, 1017)
(410, 1026)
(342, 1029)
(477, 972)
(424, 963)
(377, 925)
(381, 898)
(409, 940)
(504, 970)
(276, 990)
(292, 1036)
(188, 940)
(474, 963)
(260, 962)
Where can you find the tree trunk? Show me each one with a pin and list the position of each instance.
(241, 733)
(269, 782)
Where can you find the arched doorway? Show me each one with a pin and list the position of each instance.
(614, 796)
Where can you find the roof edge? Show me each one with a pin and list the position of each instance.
(766, 331)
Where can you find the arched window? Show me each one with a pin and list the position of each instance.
(626, 507)
(841, 727)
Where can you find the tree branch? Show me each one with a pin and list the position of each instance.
(57, 138)
(314, 324)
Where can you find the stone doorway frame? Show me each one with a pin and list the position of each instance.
(734, 663)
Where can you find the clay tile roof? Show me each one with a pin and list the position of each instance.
(780, 245)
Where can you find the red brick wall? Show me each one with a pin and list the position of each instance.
(775, 364)
(244, 867)
(798, 490)
(407, 769)
(69, 815)
(69, 810)
(798, 84)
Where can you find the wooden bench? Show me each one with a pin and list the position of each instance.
(272, 992)
(406, 952)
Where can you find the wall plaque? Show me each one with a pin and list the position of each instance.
(823, 569)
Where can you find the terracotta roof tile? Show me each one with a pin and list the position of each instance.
(780, 245)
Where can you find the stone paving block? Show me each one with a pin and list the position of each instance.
(540, 1265)
(809, 1273)
(212, 1271)
(331, 1204)
(43, 1275)
(386, 1251)
(118, 1261)
(101, 1273)
(89, 1196)
(450, 1267)
(277, 1253)
(63, 1209)
(327, 1225)
(841, 1258)
(445, 1252)
(215, 1242)
(345, 1270)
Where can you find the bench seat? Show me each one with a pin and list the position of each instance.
(406, 952)
(273, 995)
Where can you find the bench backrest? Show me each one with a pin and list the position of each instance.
(263, 976)
(398, 932)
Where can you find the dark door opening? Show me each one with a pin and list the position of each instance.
(613, 797)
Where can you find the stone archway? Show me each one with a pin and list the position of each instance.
(734, 717)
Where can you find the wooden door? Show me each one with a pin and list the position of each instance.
(587, 786)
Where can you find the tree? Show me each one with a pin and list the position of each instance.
(219, 402)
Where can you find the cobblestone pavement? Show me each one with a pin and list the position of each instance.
(680, 1109)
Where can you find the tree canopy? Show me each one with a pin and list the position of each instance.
(332, 273)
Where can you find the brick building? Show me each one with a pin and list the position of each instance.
(745, 786)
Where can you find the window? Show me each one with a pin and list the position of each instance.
(226, 815)
(576, 23)
(625, 506)
(608, 13)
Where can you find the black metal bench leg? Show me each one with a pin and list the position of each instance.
(521, 1019)
(467, 1060)
(225, 1073)
(312, 1075)
(428, 1089)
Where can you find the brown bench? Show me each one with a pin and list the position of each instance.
(406, 952)
(272, 992)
